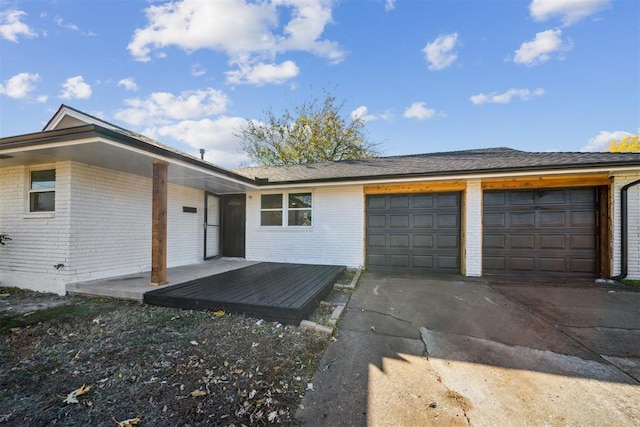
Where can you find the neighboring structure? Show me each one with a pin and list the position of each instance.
(85, 199)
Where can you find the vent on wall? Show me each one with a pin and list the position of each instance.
(189, 209)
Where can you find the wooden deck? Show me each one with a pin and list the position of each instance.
(286, 293)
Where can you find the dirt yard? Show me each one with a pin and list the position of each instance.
(85, 361)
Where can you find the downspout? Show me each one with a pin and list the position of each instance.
(624, 231)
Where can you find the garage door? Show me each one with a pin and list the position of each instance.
(541, 232)
(413, 232)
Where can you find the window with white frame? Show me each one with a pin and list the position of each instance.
(42, 190)
(294, 207)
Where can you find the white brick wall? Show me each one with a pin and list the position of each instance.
(101, 227)
(473, 228)
(336, 237)
(633, 223)
(39, 241)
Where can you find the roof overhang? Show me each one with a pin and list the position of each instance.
(98, 146)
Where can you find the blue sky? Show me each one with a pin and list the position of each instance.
(440, 75)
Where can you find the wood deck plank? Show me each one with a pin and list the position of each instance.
(273, 291)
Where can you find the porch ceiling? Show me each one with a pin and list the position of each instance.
(108, 154)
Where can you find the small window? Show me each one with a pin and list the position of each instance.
(296, 210)
(271, 210)
(300, 209)
(42, 191)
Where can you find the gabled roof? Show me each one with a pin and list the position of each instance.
(488, 160)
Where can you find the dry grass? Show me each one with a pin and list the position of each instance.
(166, 366)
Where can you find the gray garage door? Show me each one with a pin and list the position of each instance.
(414, 232)
(541, 232)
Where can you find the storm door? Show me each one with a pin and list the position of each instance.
(211, 226)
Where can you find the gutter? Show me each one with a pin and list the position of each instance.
(624, 246)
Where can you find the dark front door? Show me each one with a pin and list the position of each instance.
(233, 225)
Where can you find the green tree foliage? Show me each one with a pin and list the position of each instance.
(312, 132)
(628, 144)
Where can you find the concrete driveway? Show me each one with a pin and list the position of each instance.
(451, 351)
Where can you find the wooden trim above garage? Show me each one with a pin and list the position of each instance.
(417, 187)
(552, 181)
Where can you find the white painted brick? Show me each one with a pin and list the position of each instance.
(473, 228)
(633, 224)
(336, 237)
(101, 227)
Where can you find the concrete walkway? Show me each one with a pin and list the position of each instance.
(133, 286)
(448, 351)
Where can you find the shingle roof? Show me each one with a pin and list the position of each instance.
(445, 163)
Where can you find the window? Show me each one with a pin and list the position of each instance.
(42, 191)
(300, 209)
(297, 210)
(271, 209)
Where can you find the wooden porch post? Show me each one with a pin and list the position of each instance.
(159, 224)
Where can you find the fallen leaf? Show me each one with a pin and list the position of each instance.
(4, 295)
(73, 396)
(198, 393)
(272, 416)
(219, 313)
(193, 342)
(77, 356)
(29, 313)
(128, 423)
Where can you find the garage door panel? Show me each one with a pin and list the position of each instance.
(447, 200)
(377, 240)
(398, 202)
(495, 219)
(423, 201)
(521, 263)
(377, 221)
(495, 241)
(424, 241)
(447, 242)
(376, 202)
(522, 219)
(583, 265)
(414, 232)
(553, 241)
(546, 232)
(583, 219)
(552, 265)
(552, 219)
(588, 242)
(520, 198)
(399, 241)
(423, 261)
(448, 220)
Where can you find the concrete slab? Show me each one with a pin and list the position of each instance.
(509, 385)
(493, 360)
(133, 286)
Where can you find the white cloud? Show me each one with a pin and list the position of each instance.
(198, 70)
(539, 49)
(570, 11)
(217, 137)
(389, 5)
(163, 107)
(60, 23)
(11, 25)
(75, 88)
(505, 97)
(440, 53)
(244, 30)
(419, 111)
(260, 74)
(601, 141)
(42, 99)
(363, 113)
(20, 85)
(128, 83)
